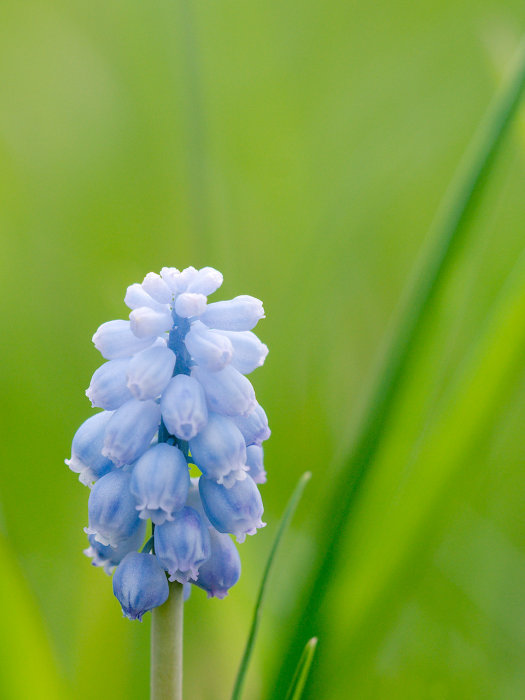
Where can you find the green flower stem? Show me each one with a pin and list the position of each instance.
(166, 646)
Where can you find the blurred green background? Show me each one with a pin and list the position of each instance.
(302, 148)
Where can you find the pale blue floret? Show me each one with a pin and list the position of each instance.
(87, 459)
(237, 510)
(149, 372)
(137, 297)
(227, 391)
(140, 584)
(206, 281)
(172, 277)
(108, 557)
(219, 451)
(223, 568)
(146, 322)
(254, 427)
(112, 512)
(255, 463)
(114, 339)
(239, 314)
(160, 481)
(108, 388)
(182, 545)
(183, 406)
(210, 349)
(248, 351)
(188, 304)
(130, 431)
(157, 288)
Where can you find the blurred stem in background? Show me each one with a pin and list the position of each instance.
(447, 235)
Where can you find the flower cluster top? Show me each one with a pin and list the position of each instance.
(173, 393)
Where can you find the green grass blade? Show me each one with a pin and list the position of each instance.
(287, 516)
(303, 669)
(402, 538)
(27, 665)
(447, 235)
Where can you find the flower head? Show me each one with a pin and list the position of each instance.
(174, 393)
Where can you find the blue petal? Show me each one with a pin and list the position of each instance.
(223, 568)
(219, 450)
(183, 407)
(227, 391)
(114, 339)
(108, 388)
(150, 371)
(182, 545)
(254, 426)
(239, 314)
(130, 431)
(87, 459)
(236, 510)
(160, 482)
(112, 511)
(140, 584)
(210, 349)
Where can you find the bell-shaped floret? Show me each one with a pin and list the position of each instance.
(254, 426)
(188, 305)
(108, 557)
(248, 351)
(112, 513)
(255, 463)
(227, 391)
(236, 510)
(210, 349)
(219, 451)
(149, 372)
(140, 584)
(239, 314)
(182, 545)
(183, 405)
(206, 281)
(223, 568)
(157, 288)
(130, 431)
(87, 459)
(160, 481)
(137, 297)
(108, 388)
(149, 323)
(114, 339)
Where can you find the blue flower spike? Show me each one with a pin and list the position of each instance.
(174, 393)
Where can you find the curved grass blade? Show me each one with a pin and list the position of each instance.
(303, 669)
(389, 558)
(287, 516)
(448, 233)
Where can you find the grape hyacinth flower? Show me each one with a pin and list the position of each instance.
(174, 396)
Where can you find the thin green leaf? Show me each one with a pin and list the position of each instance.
(303, 669)
(494, 364)
(285, 520)
(447, 235)
(27, 666)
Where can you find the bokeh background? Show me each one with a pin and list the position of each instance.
(302, 148)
